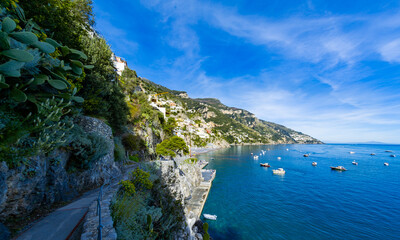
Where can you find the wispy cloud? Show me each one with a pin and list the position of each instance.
(323, 84)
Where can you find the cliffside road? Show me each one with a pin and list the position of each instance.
(60, 224)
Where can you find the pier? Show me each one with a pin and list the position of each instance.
(200, 193)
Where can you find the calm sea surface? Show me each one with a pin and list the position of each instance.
(307, 202)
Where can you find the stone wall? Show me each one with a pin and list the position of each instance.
(181, 179)
(92, 219)
(45, 179)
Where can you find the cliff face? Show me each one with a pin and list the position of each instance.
(47, 179)
(181, 179)
(242, 126)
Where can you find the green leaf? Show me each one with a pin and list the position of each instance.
(53, 42)
(77, 63)
(81, 54)
(44, 47)
(11, 68)
(19, 55)
(57, 84)
(17, 95)
(74, 91)
(40, 79)
(24, 37)
(76, 69)
(88, 66)
(4, 41)
(65, 50)
(20, 13)
(8, 25)
(78, 99)
(4, 85)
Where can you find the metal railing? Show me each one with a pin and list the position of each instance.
(99, 199)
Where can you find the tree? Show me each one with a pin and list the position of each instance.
(172, 146)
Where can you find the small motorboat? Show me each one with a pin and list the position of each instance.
(388, 151)
(314, 164)
(279, 158)
(279, 171)
(386, 164)
(209, 216)
(287, 149)
(339, 168)
(351, 152)
(306, 155)
(393, 155)
(355, 163)
(255, 157)
(372, 154)
(251, 153)
(265, 165)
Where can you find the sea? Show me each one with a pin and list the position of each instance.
(308, 202)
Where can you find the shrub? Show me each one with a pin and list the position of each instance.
(127, 187)
(133, 142)
(134, 158)
(206, 235)
(85, 148)
(191, 160)
(119, 150)
(141, 179)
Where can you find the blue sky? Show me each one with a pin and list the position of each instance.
(330, 69)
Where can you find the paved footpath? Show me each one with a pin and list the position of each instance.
(60, 224)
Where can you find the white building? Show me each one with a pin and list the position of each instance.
(119, 63)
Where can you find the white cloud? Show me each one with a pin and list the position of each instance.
(333, 47)
(391, 51)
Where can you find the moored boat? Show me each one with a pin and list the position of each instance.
(255, 157)
(388, 151)
(209, 216)
(372, 154)
(265, 165)
(355, 163)
(386, 164)
(393, 155)
(279, 158)
(339, 168)
(279, 171)
(351, 152)
(314, 163)
(306, 155)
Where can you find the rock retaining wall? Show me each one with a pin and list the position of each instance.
(45, 179)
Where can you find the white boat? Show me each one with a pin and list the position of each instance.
(279, 158)
(351, 152)
(314, 163)
(209, 216)
(287, 149)
(255, 157)
(279, 171)
(355, 163)
(386, 164)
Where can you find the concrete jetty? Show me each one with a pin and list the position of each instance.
(200, 193)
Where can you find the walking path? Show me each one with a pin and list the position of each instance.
(62, 223)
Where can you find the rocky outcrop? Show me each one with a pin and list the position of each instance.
(45, 179)
(181, 179)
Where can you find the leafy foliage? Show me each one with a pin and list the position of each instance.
(133, 142)
(85, 148)
(172, 146)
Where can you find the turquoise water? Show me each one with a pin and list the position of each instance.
(307, 202)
